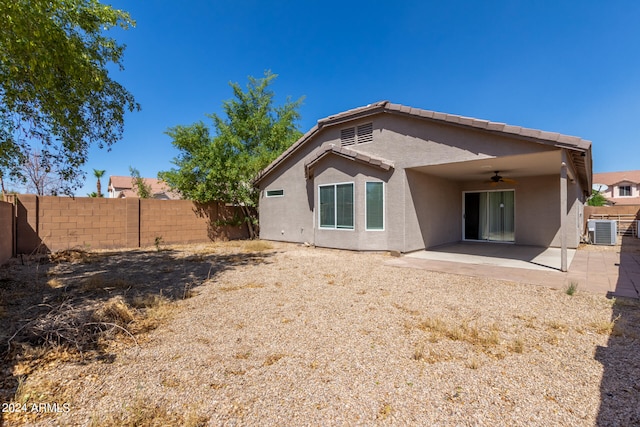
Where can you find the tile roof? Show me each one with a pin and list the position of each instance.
(611, 178)
(551, 138)
(124, 187)
(348, 154)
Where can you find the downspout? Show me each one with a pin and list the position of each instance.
(563, 212)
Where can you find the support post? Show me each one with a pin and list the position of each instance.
(563, 213)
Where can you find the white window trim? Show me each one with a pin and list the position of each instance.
(630, 190)
(335, 204)
(266, 193)
(384, 207)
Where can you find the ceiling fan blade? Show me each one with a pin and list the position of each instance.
(509, 180)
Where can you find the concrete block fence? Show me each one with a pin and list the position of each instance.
(30, 223)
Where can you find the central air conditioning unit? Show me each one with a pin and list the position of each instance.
(602, 231)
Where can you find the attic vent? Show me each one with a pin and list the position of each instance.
(357, 135)
(348, 136)
(365, 133)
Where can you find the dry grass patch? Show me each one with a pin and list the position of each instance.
(249, 285)
(483, 338)
(147, 413)
(102, 282)
(256, 246)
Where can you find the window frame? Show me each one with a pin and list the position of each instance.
(266, 193)
(335, 206)
(625, 187)
(366, 205)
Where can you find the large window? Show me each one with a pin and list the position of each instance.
(375, 205)
(336, 206)
(625, 190)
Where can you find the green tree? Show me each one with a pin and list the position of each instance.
(55, 90)
(98, 174)
(596, 199)
(140, 187)
(221, 167)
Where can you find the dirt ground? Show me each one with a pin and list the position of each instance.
(259, 333)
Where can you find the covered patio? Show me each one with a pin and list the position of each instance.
(532, 200)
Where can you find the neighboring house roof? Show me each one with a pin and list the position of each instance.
(576, 145)
(122, 186)
(612, 178)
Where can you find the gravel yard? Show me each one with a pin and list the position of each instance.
(280, 334)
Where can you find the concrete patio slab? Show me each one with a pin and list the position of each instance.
(497, 254)
(612, 271)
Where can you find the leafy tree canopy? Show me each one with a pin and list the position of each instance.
(142, 189)
(220, 165)
(55, 90)
(597, 199)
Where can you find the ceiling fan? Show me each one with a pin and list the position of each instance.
(494, 180)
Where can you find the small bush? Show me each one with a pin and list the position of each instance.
(572, 288)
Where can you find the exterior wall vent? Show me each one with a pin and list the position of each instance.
(348, 136)
(365, 133)
(356, 135)
(602, 232)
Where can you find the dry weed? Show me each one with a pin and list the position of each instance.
(517, 346)
(556, 325)
(385, 410)
(55, 283)
(242, 355)
(473, 363)
(115, 310)
(603, 326)
(273, 358)
(406, 310)
(250, 285)
(70, 255)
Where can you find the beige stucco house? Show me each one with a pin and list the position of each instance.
(390, 177)
(622, 188)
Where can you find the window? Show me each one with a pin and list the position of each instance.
(356, 135)
(275, 193)
(336, 206)
(625, 190)
(375, 206)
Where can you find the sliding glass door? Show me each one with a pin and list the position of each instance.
(489, 216)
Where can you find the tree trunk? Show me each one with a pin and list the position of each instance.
(249, 220)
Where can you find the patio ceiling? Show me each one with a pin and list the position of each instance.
(544, 163)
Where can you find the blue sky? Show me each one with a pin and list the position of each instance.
(565, 66)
